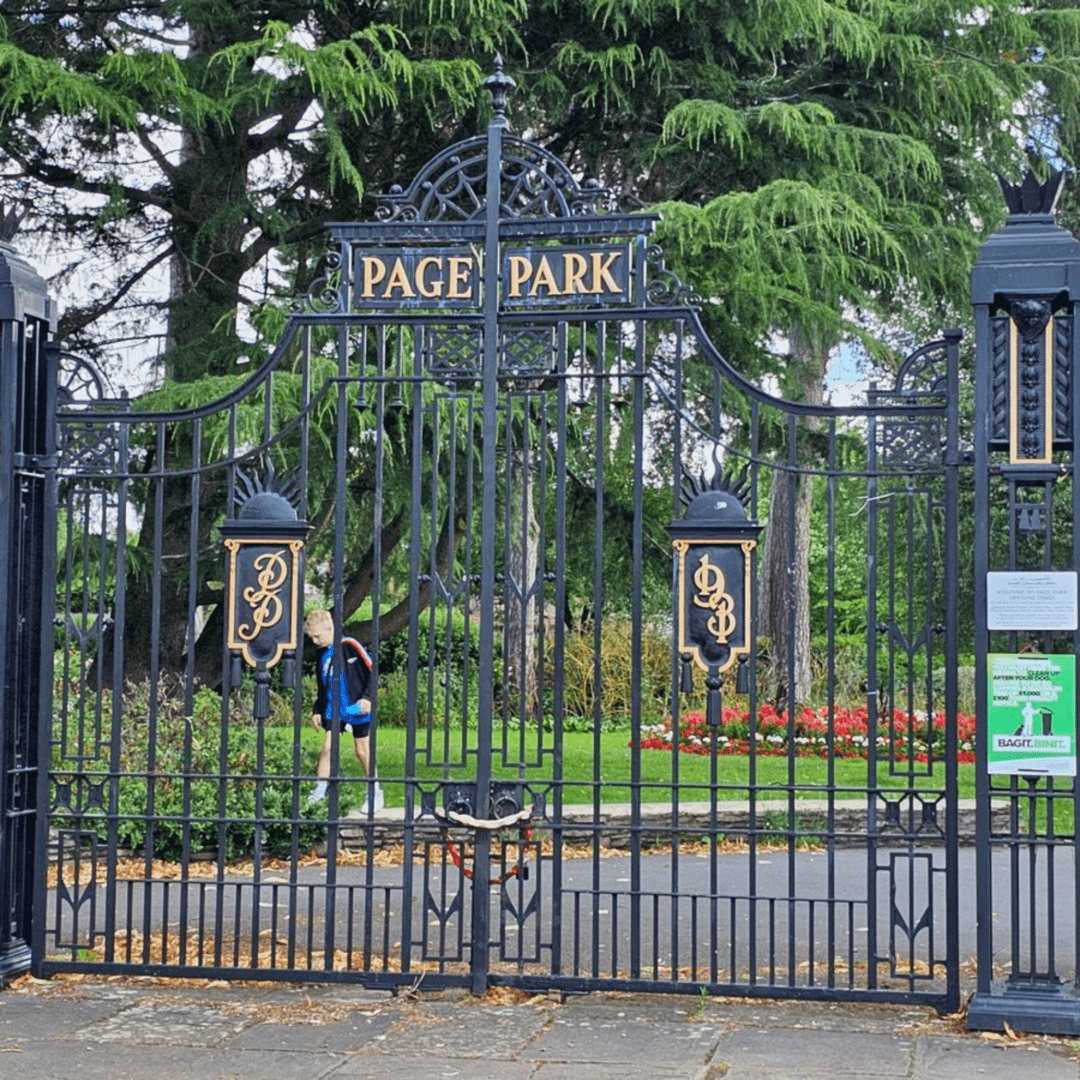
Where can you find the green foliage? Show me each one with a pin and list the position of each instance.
(182, 787)
(601, 683)
(393, 706)
(835, 146)
(816, 161)
(446, 672)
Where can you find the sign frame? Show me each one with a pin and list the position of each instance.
(1022, 741)
(1032, 600)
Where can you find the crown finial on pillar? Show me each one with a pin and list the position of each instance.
(10, 220)
(1031, 197)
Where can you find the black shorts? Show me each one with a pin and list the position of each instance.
(360, 727)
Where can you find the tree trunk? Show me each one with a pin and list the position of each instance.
(784, 609)
(523, 551)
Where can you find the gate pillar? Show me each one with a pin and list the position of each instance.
(1026, 293)
(28, 377)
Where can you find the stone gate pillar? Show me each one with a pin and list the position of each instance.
(1026, 293)
(28, 378)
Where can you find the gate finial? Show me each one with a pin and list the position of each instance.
(499, 85)
(1031, 197)
(10, 220)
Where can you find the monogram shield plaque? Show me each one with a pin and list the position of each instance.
(264, 576)
(263, 603)
(714, 544)
(713, 581)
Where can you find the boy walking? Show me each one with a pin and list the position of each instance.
(349, 680)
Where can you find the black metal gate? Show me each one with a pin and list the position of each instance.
(479, 419)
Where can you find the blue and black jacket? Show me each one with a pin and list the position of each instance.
(352, 683)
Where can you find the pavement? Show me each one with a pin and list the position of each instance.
(86, 1028)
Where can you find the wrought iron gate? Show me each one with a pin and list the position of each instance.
(475, 421)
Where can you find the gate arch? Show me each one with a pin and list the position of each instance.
(489, 410)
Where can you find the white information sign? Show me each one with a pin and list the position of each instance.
(1031, 600)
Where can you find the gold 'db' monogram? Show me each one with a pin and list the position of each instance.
(265, 602)
(710, 584)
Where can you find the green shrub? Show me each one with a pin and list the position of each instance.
(619, 678)
(393, 701)
(445, 639)
(448, 665)
(178, 786)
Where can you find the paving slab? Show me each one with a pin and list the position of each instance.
(413, 1067)
(624, 1041)
(461, 1031)
(653, 1008)
(950, 1057)
(117, 1062)
(47, 1018)
(803, 1054)
(816, 1015)
(313, 1034)
(183, 1031)
(335, 993)
(579, 1070)
(166, 1023)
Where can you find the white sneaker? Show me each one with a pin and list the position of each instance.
(318, 793)
(379, 800)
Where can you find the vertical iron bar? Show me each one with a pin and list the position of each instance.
(558, 689)
(158, 482)
(790, 607)
(872, 697)
(189, 694)
(676, 662)
(337, 667)
(479, 962)
(599, 457)
(751, 765)
(830, 701)
(408, 872)
(376, 597)
(637, 612)
(951, 587)
(984, 887)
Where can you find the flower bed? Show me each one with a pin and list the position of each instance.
(912, 737)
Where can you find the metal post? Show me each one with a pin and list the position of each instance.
(498, 84)
(27, 525)
(1026, 292)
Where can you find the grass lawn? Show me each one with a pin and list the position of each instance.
(607, 767)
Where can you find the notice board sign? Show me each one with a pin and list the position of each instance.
(1031, 719)
(1031, 600)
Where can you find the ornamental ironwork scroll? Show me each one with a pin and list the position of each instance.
(1031, 382)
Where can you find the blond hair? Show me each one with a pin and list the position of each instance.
(318, 620)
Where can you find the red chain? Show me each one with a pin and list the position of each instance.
(466, 871)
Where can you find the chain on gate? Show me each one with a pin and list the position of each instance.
(519, 869)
